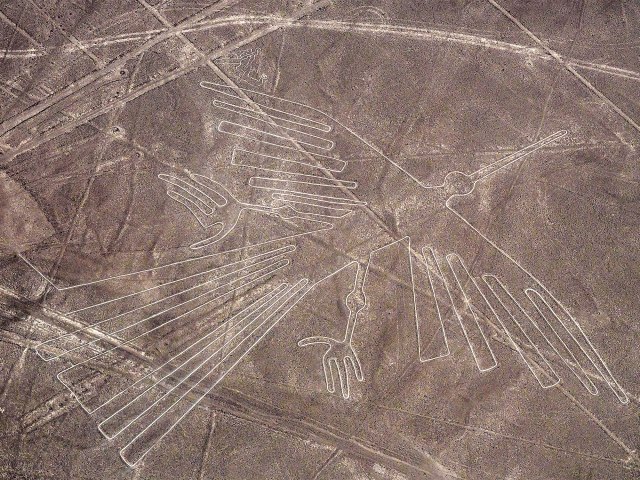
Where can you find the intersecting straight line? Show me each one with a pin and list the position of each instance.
(103, 147)
(69, 36)
(305, 152)
(270, 255)
(249, 317)
(566, 65)
(21, 31)
(183, 38)
(13, 122)
(97, 128)
(432, 34)
(223, 327)
(178, 317)
(208, 61)
(629, 120)
(485, 431)
(219, 73)
(56, 132)
(326, 173)
(270, 263)
(295, 292)
(267, 117)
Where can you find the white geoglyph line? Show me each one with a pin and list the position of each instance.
(472, 178)
(573, 361)
(283, 193)
(345, 183)
(475, 349)
(465, 184)
(514, 157)
(300, 120)
(257, 179)
(298, 193)
(490, 280)
(339, 165)
(317, 156)
(504, 297)
(125, 275)
(419, 33)
(330, 212)
(486, 302)
(164, 324)
(458, 184)
(329, 204)
(271, 255)
(340, 355)
(329, 144)
(252, 262)
(243, 63)
(225, 90)
(224, 127)
(267, 265)
(105, 426)
(223, 219)
(429, 264)
(293, 296)
(246, 111)
(213, 336)
(221, 211)
(600, 366)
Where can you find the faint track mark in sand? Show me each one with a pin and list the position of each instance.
(158, 35)
(567, 65)
(13, 122)
(346, 26)
(81, 120)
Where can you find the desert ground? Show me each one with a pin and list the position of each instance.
(319, 239)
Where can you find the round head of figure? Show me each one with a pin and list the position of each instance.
(458, 183)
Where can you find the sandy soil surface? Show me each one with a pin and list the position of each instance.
(319, 239)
